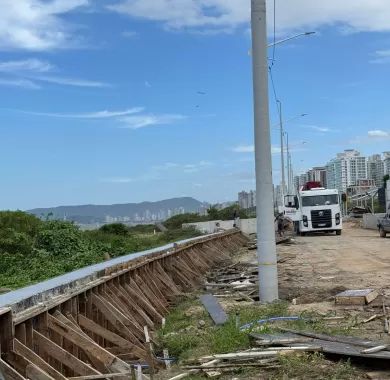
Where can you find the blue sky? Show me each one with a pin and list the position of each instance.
(132, 100)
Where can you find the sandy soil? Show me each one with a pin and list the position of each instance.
(318, 267)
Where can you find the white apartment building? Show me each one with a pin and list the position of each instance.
(344, 170)
(376, 169)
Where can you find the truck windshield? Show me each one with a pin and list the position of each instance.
(320, 200)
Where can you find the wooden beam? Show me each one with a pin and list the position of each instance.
(115, 318)
(92, 349)
(35, 373)
(7, 330)
(66, 358)
(109, 335)
(30, 355)
(8, 372)
(97, 377)
(100, 359)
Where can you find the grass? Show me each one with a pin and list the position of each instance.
(186, 339)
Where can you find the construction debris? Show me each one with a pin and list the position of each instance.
(356, 297)
(336, 345)
(214, 309)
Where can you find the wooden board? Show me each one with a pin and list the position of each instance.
(356, 297)
(215, 310)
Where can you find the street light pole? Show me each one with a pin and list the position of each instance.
(266, 247)
(282, 150)
(288, 164)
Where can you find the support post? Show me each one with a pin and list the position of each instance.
(266, 247)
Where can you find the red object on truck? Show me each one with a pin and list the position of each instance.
(311, 185)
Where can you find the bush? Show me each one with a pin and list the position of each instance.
(115, 229)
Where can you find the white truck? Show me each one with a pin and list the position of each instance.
(314, 209)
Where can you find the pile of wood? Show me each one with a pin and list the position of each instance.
(216, 365)
(240, 279)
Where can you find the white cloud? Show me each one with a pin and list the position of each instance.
(378, 133)
(349, 15)
(21, 83)
(147, 84)
(36, 70)
(244, 149)
(36, 24)
(117, 180)
(147, 120)
(381, 56)
(75, 82)
(91, 115)
(318, 129)
(29, 65)
(186, 168)
(275, 149)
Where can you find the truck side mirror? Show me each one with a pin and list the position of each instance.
(296, 202)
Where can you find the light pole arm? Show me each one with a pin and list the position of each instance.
(290, 38)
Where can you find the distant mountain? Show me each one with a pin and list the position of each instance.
(126, 212)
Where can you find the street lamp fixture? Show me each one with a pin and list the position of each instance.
(291, 38)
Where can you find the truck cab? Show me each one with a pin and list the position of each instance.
(320, 210)
(314, 209)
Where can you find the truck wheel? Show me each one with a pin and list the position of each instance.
(338, 232)
(382, 232)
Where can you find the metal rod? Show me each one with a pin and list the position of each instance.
(266, 247)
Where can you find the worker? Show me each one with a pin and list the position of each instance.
(280, 224)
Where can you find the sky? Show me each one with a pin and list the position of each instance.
(120, 101)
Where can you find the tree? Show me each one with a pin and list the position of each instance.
(213, 213)
(115, 229)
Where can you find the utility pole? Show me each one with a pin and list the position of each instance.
(282, 150)
(266, 247)
(288, 164)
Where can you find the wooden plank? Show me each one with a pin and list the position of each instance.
(97, 377)
(20, 333)
(143, 302)
(30, 355)
(133, 307)
(35, 373)
(108, 335)
(18, 362)
(63, 356)
(96, 353)
(214, 309)
(100, 358)
(8, 372)
(7, 330)
(356, 297)
(114, 317)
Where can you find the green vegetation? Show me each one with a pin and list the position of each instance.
(213, 213)
(185, 337)
(32, 250)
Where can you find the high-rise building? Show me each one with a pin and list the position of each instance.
(247, 199)
(386, 163)
(344, 170)
(317, 174)
(376, 169)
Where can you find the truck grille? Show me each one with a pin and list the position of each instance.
(321, 218)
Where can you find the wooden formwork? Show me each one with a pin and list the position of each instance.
(98, 331)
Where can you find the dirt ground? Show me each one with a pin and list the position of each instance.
(317, 267)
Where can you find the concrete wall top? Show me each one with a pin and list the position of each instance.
(59, 285)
